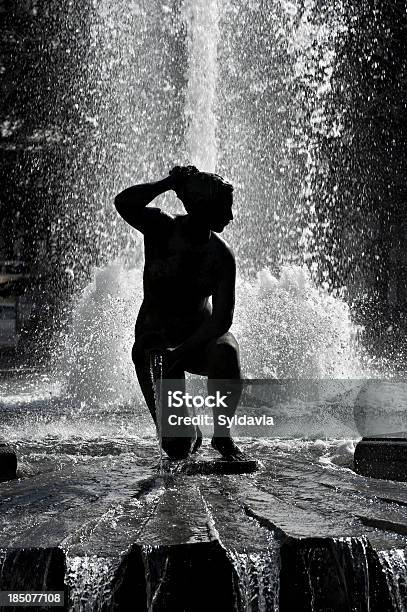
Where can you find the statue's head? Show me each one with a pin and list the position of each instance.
(207, 197)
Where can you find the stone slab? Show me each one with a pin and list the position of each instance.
(382, 457)
(8, 462)
(196, 468)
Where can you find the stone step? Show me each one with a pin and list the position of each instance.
(8, 462)
(218, 466)
(130, 539)
(382, 457)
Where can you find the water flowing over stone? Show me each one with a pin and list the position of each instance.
(89, 581)
(394, 565)
(258, 580)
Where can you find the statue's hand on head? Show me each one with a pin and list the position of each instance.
(179, 175)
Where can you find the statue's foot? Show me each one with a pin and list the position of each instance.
(176, 448)
(228, 449)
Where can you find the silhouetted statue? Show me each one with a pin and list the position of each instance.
(186, 263)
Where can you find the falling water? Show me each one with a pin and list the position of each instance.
(89, 581)
(155, 578)
(202, 20)
(258, 580)
(243, 89)
(351, 589)
(156, 373)
(394, 565)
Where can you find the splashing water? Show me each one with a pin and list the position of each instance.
(98, 354)
(244, 91)
(292, 329)
(237, 89)
(286, 328)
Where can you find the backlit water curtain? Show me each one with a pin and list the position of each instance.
(242, 89)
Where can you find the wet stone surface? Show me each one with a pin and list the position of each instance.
(302, 529)
(90, 514)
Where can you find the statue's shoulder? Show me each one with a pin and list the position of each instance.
(223, 249)
(221, 243)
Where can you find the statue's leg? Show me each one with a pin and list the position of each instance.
(180, 444)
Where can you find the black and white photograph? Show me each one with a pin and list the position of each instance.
(203, 305)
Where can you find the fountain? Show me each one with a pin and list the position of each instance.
(243, 89)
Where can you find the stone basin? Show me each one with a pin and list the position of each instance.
(111, 531)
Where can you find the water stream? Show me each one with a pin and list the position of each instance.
(156, 371)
